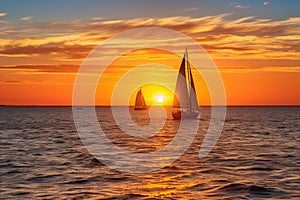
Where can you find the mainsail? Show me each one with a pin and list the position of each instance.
(181, 98)
(140, 102)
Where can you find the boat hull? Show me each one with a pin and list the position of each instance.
(179, 114)
(140, 108)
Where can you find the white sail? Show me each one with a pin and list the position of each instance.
(193, 97)
(181, 98)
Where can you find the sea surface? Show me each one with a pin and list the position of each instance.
(256, 157)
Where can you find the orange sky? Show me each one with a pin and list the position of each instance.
(258, 59)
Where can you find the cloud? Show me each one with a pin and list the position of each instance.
(246, 37)
(43, 68)
(70, 51)
(4, 23)
(237, 5)
(266, 3)
(3, 14)
(26, 18)
(242, 6)
(191, 9)
(202, 25)
(97, 18)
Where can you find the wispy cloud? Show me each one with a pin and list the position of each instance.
(238, 5)
(5, 23)
(191, 9)
(26, 18)
(97, 18)
(43, 68)
(242, 6)
(61, 49)
(266, 3)
(3, 14)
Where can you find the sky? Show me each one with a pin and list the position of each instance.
(254, 44)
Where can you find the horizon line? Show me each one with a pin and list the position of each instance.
(241, 105)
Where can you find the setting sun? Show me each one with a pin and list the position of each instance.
(158, 95)
(154, 94)
(159, 99)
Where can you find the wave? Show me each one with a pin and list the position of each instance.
(42, 178)
(245, 188)
(262, 168)
(78, 182)
(126, 196)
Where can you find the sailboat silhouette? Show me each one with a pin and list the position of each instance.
(140, 103)
(185, 101)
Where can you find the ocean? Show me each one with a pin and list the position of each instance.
(256, 157)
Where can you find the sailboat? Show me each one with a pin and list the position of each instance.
(140, 103)
(185, 103)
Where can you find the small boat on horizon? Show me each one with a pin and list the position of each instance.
(140, 103)
(185, 103)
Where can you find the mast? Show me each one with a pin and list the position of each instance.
(188, 71)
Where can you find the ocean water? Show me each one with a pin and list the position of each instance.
(256, 157)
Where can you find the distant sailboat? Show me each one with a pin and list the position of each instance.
(185, 102)
(140, 103)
